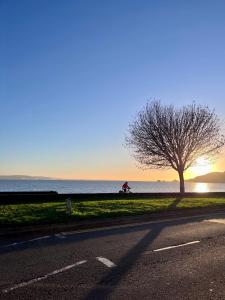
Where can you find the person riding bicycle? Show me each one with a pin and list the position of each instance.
(125, 187)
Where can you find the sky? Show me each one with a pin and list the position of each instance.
(73, 74)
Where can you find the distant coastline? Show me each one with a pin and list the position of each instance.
(28, 177)
(214, 177)
(25, 177)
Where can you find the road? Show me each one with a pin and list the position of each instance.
(175, 259)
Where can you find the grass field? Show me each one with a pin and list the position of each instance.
(42, 213)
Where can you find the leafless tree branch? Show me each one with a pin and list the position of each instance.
(167, 137)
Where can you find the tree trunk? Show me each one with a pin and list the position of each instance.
(182, 187)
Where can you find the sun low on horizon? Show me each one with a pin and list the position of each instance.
(201, 167)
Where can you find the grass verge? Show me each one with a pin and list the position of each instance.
(46, 213)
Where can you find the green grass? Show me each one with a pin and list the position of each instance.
(42, 213)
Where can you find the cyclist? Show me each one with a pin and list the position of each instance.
(125, 187)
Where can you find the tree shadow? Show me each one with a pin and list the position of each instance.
(78, 237)
(108, 283)
(175, 202)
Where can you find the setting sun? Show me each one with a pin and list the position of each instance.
(201, 167)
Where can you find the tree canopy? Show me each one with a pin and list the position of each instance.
(163, 136)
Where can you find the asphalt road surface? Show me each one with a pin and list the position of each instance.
(176, 259)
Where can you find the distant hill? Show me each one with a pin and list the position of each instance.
(24, 177)
(215, 177)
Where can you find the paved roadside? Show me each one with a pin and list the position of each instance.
(176, 259)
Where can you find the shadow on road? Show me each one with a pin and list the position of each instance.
(112, 279)
(91, 235)
(108, 283)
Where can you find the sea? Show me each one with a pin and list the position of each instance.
(100, 186)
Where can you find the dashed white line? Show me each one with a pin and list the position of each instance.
(60, 236)
(23, 284)
(106, 262)
(39, 238)
(176, 246)
(166, 220)
(220, 221)
(24, 242)
(9, 245)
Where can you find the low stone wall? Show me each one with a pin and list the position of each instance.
(43, 197)
(28, 197)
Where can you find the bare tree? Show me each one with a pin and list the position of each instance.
(163, 136)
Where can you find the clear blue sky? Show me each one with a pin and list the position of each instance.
(74, 73)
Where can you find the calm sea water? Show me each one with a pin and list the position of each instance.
(86, 186)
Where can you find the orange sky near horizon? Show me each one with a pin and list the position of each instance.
(104, 165)
(131, 172)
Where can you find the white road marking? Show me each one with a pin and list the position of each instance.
(166, 220)
(106, 262)
(176, 246)
(39, 238)
(9, 245)
(60, 235)
(24, 242)
(221, 221)
(23, 284)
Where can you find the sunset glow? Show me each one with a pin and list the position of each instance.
(201, 167)
(201, 188)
